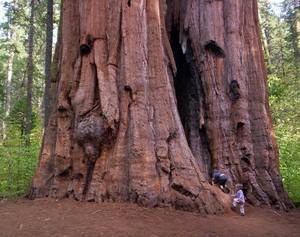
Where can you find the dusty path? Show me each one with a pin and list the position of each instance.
(47, 217)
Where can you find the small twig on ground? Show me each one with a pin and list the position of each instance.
(276, 213)
(94, 212)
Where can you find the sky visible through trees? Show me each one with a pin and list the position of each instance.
(276, 6)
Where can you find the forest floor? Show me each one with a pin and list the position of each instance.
(47, 217)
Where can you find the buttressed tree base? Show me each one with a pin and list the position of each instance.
(152, 95)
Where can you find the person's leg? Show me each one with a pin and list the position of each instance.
(221, 187)
(242, 209)
(223, 181)
(235, 202)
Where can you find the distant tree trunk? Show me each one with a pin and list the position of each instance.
(28, 125)
(48, 59)
(152, 96)
(10, 60)
(11, 54)
(8, 81)
(265, 29)
(297, 27)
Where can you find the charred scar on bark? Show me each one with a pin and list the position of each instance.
(61, 108)
(66, 173)
(183, 190)
(88, 178)
(64, 104)
(213, 47)
(234, 90)
(128, 89)
(86, 47)
(97, 99)
(239, 129)
(172, 135)
(129, 3)
(245, 153)
(191, 99)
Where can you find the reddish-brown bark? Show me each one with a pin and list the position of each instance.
(152, 96)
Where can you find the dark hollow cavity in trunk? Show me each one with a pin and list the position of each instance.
(191, 102)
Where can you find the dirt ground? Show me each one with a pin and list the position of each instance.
(66, 218)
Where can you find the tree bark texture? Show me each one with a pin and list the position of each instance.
(152, 96)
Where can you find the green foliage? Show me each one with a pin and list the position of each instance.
(285, 101)
(18, 162)
(284, 88)
(290, 163)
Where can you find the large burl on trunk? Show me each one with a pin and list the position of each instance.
(152, 96)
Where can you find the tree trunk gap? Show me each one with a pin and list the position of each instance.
(152, 96)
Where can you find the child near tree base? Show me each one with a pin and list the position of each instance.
(239, 199)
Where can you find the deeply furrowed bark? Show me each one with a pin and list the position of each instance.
(147, 107)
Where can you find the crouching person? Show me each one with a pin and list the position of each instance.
(239, 199)
(220, 179)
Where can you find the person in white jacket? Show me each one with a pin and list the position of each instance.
(239, 199)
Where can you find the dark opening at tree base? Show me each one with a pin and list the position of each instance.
(191, 102)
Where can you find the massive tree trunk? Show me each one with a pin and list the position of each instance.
(152, 96)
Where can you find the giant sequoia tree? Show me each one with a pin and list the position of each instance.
(152, 96)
